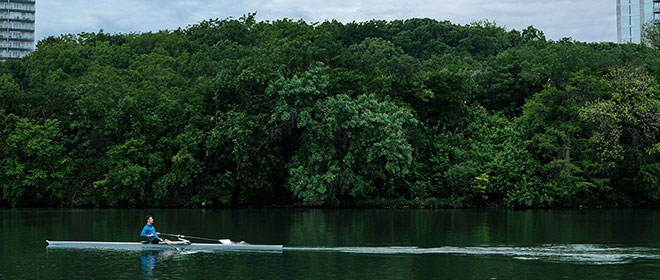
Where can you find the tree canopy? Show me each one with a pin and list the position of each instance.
(416, 112)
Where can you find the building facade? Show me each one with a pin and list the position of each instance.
(632, 15)
(16, 28)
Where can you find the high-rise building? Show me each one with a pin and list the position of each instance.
(16, 28)
(632, 15)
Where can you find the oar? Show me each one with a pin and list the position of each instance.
(223, 241)
(168, 244)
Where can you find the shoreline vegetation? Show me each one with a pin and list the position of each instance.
(403, 113)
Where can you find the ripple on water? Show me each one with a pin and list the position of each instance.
(565, 253)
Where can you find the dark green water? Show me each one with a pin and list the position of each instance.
(342, 244)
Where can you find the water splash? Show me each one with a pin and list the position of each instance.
(571, 253)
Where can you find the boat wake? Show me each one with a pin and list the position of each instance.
(572, 253)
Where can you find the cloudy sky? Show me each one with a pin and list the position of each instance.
(584, 20)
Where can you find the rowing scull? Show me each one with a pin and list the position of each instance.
(182, 245)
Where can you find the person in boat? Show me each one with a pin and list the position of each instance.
(150, 232)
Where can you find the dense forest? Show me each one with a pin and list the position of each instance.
(414, 113)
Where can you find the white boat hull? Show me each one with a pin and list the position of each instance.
(162, 246)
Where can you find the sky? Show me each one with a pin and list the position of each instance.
(583, 20)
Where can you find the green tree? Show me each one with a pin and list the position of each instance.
(351, 148)
(627, 129)
(127, 181)
(652, 34)
(35, 166)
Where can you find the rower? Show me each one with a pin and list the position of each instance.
(150, 232)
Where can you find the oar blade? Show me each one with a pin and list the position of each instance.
(225, 241)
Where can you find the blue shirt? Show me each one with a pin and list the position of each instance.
(149, 229)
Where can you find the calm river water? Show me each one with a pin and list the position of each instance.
(341, 244)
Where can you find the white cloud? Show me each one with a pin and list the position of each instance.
(585, 20)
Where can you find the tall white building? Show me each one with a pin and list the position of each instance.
(16, 28)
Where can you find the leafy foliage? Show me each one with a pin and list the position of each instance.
(236, 112)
